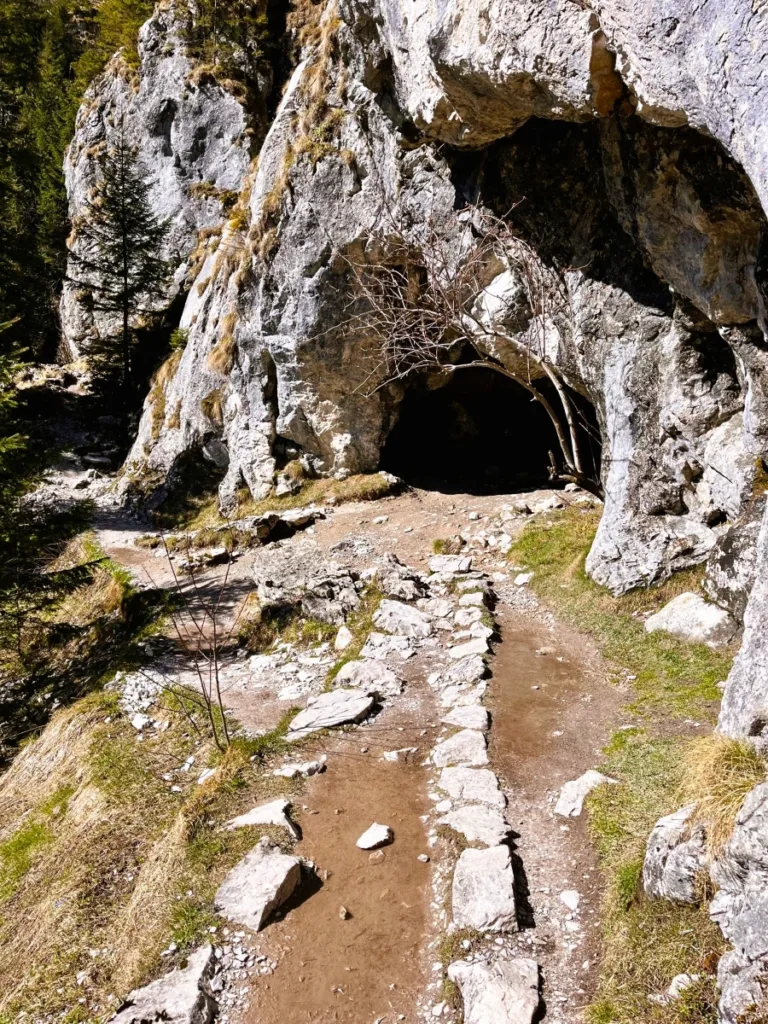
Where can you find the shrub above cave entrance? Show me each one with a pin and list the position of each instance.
(480, 433)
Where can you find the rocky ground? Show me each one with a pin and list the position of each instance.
(395, 933)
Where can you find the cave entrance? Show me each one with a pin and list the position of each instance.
(479, 434)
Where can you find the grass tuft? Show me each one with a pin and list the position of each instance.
(718, 774)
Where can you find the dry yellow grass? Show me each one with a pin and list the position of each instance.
(718, 773)
(213, 408)
(97, 852)
(221, 358)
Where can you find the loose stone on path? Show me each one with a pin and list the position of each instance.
(255, 887)
(375, 836)
(273, 813)
(329, 709)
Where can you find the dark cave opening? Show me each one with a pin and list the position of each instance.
(479, 434)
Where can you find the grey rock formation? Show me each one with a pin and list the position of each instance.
(744, 711)
(258, 885)
(691, 618)
(369, 675)
(483, 892)
(403, 620)
(192, 138)
(181, 997)
(296, 576)
(504, 992)
(675, 858)
(740, 907)
(731, 562)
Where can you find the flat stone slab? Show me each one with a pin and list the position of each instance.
(478, 823)
(403, 620)
(504, 992)
(371, 676)
(274, 813)
(255, 887)
(462, 695)
(478, 645)
(375, 836)
(177, 998)
(570, 803)
(472, 786)
(470, 669)
(483, 892)
(690, 617)
(381, 646)
(467, 747)
(450, 563)
(329, 709)
(473, 716)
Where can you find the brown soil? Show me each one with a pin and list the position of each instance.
(370, 965)
(542, 738)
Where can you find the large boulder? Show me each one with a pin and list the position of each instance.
(258, 885)
(690, 617)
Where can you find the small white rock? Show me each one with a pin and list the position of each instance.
(377, 835)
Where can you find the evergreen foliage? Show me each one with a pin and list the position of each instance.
(119, 261)
(231, 36)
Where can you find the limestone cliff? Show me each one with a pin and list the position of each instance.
(629, 141)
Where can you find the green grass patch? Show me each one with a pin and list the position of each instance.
(672, 677)
(360, 624)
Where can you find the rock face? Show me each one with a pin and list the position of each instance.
(740, 907)
(178, 998)
(193, 140)
(674, 859)
(744, 710)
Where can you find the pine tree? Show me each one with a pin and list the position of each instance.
(119, 261)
